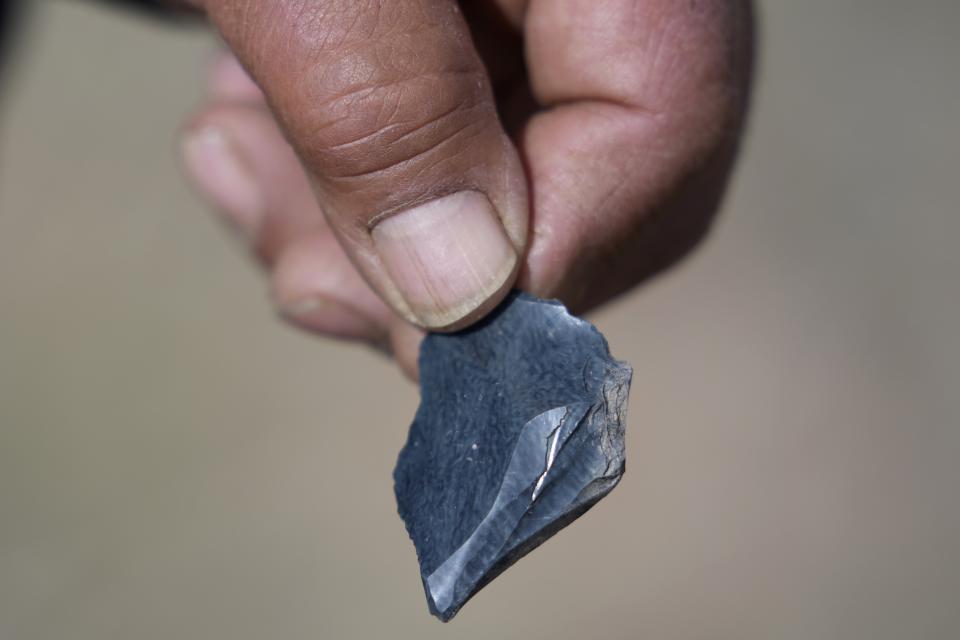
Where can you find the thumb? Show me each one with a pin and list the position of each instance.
(391, 112)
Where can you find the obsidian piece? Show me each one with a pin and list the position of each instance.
(519, 431)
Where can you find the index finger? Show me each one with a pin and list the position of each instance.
(643, 103)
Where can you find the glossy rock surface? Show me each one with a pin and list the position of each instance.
(520, 430)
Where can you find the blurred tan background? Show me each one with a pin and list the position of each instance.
(176, 464)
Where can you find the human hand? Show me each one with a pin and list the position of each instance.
(440, 155)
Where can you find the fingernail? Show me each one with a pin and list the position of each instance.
(222, 176)
(321, 314)
(446, 257)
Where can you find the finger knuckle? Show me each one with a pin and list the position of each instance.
(372, 108)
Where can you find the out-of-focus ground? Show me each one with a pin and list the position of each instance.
(176, 464)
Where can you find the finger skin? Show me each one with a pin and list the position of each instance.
(405, 342)
(646, 101)
(288, 207)
(314, 285)
(388, 106)
(229, 82)
(643, 106)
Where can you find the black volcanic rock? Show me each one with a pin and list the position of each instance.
(519, 432)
